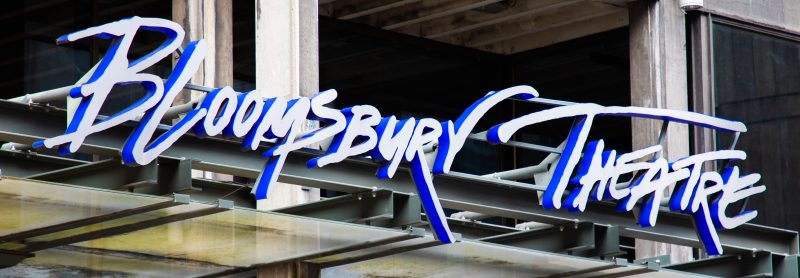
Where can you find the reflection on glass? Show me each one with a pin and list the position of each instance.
(757, 81)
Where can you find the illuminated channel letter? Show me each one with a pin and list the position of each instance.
(113, 69)
(682, 198)
(360, 129)
(360, 120)
(735, 188)
(248, 109)
(284, 128)
(333, 118)
(427, 131)
(455, 133)
(273, 108)
(136, 150)
(393, 138)
(595, 172)
(220, 101)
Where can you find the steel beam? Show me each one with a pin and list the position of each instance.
(455, 190)
(557, 239)
(580, 239)
(378, 208)
(606, 243)
(26, 163)
(164, 177)
(105, 174)
(205, 190)
(470, 229)
(749, 264)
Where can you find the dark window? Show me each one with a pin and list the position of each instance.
(31, 61)
(757, 81)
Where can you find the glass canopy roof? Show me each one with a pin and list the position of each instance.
(238, 238)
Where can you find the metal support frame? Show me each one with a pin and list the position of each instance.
(377, 208)
(557, 239)
(26, 163)
(748, 264)
(471, 229)
(205, 190)
(26, 124)
(164, 177)
(606, 242)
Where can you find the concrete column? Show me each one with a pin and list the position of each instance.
(223, 32)
(659, 79)
(287, 66)
(211, 21)
(197, 17)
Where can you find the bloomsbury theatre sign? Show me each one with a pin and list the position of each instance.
(585, 171)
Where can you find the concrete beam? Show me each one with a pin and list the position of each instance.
(471, 20)
(538, 30)
(445, 9)
(372, 7)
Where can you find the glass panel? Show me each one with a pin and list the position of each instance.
(476, 259)
(239, 237)
(27, 205)
(757, 81)
(83, 262)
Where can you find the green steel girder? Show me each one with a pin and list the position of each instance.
(580, 237)
(750, 264)
(378, 208)
(164, 177)
(470, 229)
(26, 163)
(205, 190)
(606, 242)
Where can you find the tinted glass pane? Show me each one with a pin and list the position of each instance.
(757, 81)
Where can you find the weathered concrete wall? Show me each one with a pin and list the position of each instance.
(783, 13)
